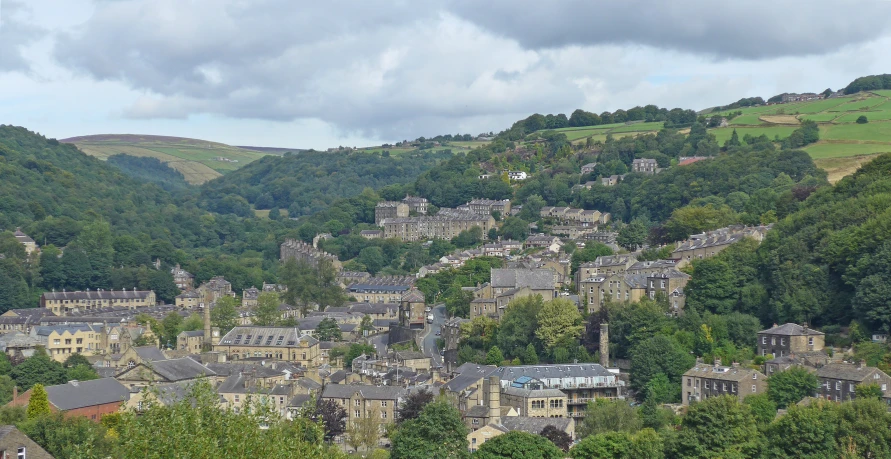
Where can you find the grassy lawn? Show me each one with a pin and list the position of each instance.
(821, 117)
(583, 133)
(723, 134)
(883, 92)
(821, 105)
(878, 131)
(751, 119)
(639, 127)
(883, 115)
(859, 104)
(823, 150)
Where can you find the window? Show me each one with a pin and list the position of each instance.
(724, 387)
(80, 340)
(754, 375)
(773, 341)
(383, 403)
(706, 384)
(236, 398)
(763, 340)
(21, 453)
(55, 341)
(838, 385)
(358, 414)
(810, 341)
(851, 387)
(358, 402)
(475, 422)
(884, 387)
(754, 388)
(68, 341)
(782, 341)
(689, 382)
(383, 415)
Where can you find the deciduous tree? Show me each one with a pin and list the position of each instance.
(518, 444)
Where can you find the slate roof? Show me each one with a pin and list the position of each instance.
(413, 296)
(791, 329)
(259, 336)
(180, 369)
(192, 333)
(526, 393)
(241, 383)
(845, 371)
(150, 353)
(477, 411)
(723, 373)
(82, 394)
(97, 295)
(563, 370)
(470, 373)
(34, 313)
(534, 425)
(367, 391)
(22, 237)
(299, 400)
(535, 279)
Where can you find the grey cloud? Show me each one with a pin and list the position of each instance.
(749, 29)
(380, 70)
(15, 35)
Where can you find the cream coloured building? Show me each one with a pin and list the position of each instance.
(62, 303)
(276, 343)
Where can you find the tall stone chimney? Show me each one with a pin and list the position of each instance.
(208, 340)
(604, 345)
(494, 400)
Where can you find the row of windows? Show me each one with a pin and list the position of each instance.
(773, 341)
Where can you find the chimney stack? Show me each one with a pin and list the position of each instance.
(208, 343)
(604, 345)
(494, 400)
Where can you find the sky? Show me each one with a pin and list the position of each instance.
(310, 74)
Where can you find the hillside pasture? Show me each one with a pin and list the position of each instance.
(639, 127)
(818, 106)
(871, 132)
(747, 120)
(723, 134)
(830, 149)
(820, 117)
(780, 119)
(858, 104)
(193, 157)
(883, 115)
(838, 168)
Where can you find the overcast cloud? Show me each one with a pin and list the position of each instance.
(319, 74)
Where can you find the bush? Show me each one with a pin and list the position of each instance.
(862, 119)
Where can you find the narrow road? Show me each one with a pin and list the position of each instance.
(380, 343)
(429, 343)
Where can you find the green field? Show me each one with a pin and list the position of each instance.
(577, 134)
(884, 115)
(821, 105)
(196, 159)
(639, 127)
(723, 134)
(859, 104)
(822, 150)
(876, 132)
(882, 92)
(747, 120)
(821, 117)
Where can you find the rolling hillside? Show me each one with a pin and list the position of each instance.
(844, 144)
(198, 160)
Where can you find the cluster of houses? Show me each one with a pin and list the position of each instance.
(789, 345)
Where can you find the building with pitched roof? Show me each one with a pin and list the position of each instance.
(416, 204)
(789, 339)
(301, 251)
(581, 382)
(839, 381)
(711, 243)
(91, 399)
(362, 400)
(182, 278)
(164, 372)
(540, 281)
(704, 381)
(60, 341)
(277, 343)
(13, 443)
(390, 209)
(63, 303)
(25, 240)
